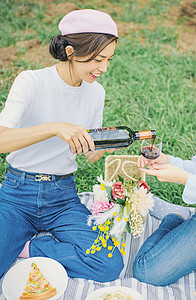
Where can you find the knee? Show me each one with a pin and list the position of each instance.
(138, 269)
(149, 274)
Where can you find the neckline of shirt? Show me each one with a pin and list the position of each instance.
(65, 85)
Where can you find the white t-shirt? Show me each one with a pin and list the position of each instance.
(41, 96)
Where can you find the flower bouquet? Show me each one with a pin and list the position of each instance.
(118, 206)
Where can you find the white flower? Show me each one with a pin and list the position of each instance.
(99, 193)
(119, 226)
(103, 182)
(135, 222)
(103, 217)
(143, 202)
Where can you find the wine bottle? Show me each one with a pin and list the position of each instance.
(117, 137)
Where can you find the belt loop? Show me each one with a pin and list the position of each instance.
(53, 177)
(7, 168)
(23, 178)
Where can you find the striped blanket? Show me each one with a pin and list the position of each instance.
(78, 288)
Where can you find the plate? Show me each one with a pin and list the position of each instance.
(128, 291)
(15, 279)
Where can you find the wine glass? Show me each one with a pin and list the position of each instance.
(151, 150)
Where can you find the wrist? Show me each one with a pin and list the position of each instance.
(52, 128)
(167, 159)
(184, 177)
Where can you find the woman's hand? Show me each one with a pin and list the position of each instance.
(76, 136)
(97, 154)
(167, 172)
(142, 161)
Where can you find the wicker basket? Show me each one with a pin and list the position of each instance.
(123, 165)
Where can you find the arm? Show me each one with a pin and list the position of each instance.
(188, 165)
(16, 138)
(167, 172)
(172, 173)
(163, 169)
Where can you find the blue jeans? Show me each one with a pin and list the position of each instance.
(169, 253)
(28, 207)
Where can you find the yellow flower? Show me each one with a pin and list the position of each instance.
(110, 255)
(96, 241)
(108, 222)
(93, 247)
(116, 243)
(92, 251)
(100, 238)
(103, 240)
(104, 245)
(94, 227)
(87, 251)
(124, 253)
(107, 228)
(103, 186)
(107, 237)
(102, 228)
(114, 213)
(113, 239)
(121, 250)
(98, 248)
(125, 219)
(123, 245)
(118, 219)
(109, 247)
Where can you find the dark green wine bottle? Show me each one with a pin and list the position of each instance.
(117, 137)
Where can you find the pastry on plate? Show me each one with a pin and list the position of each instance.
(37, 287)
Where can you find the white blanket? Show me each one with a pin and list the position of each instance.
(78, 289)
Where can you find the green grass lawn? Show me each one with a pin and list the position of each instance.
(147, 86)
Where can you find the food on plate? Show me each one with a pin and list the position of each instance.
(115, 295)
(37, 287)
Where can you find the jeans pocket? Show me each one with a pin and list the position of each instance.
(65, 184)
(11, 182)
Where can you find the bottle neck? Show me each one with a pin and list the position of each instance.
(144, 135)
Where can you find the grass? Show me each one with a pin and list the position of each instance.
(146, 86)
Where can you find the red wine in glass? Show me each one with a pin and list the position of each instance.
(151, 151)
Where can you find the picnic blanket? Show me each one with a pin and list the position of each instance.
(79, 288)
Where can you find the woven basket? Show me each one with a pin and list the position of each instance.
(123, 165)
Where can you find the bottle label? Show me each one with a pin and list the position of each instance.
(101, 129)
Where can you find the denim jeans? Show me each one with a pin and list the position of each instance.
(169, 253)
(28, 207)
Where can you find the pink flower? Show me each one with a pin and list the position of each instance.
(144, 184)
(118, 190)
(101, 206)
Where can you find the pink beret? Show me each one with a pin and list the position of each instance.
(87, 20)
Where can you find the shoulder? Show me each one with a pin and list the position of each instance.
(96, 88)
(34, 75)
(33, 79)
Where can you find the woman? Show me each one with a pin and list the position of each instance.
(44, 125)
(170, 252)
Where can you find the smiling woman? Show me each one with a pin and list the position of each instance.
(88, 67)
(44, 125)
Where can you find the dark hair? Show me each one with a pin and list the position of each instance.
(83, 44)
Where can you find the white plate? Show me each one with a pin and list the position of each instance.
(129, 291)
(15, 279)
